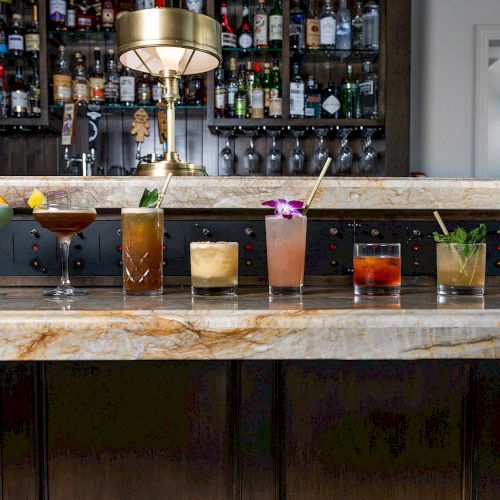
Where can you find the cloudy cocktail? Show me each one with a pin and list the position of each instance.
(142, 251)
(214, 267)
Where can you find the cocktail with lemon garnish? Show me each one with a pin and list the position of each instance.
(65, 220)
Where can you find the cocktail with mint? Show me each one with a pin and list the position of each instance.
(461, 261)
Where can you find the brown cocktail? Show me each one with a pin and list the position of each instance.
(142, 251)
(65, 220)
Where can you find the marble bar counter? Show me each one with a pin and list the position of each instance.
(248, 192)
(324, 324)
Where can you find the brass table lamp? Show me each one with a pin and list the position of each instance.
(169, 43)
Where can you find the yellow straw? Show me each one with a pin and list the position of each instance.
(316, 186)
(440, 222)
(164, 190)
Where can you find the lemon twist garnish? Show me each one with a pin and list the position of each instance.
(36, 199)
(3, 201)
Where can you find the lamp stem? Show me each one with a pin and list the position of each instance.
(170, 94)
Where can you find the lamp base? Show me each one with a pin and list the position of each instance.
(175, 167)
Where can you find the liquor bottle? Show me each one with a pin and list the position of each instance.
(32, 35)
(348, 92)
(330, 105)
(35, 94)
(228, 37)
(127, 87)
(275, 97)
(371, 19)
(276, 26)
(71, 16)
(260, 22)
(220, 93)
(57, 15)
(343, 28)
(368, 92)
(112, 82)
(143, 97)
(19, 104)
(250, 77)
(157, 91)
(96, 79)
(85, 16)
(357, 27)
(16, 37)
(195, 91)
(231, 89)
(182, 91)
(108, 13)
(296, 93)
(257, 94)
(297, 26)
(241, 97)
(312, 99)
(266, 87)
(62, 82)
(195, 6)
(4, 47)
(312, 27)
(80, 81)
(327, 22)
(4, 94)
(245, 32)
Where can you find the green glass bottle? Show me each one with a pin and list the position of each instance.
(276, 26)
(276, 93)
(240, 104)
(348, 94)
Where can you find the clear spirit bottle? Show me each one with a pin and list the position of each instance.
(327, 22)
(371, 18)
(343, 28)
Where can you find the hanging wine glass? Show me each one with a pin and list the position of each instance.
(320, 154)
(251, 159)
(343, 161)
(274, 156)
(297, 159)
(368, 158)
(227, 158)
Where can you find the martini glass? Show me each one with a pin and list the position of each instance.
(65, 220)
(6, 213)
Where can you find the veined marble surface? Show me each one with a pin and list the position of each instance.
(250, 192)
(324, 324)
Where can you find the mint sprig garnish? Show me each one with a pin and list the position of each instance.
(149, 198)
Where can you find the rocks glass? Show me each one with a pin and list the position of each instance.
(461, 268)
(377, 268)
(214, 268)
(286, 251)
(142, 251)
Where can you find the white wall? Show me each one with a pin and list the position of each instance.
(442, 80)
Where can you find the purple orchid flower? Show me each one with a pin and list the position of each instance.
(286, 209)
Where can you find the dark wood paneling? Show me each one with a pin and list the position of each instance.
(136, 430)
(373, 430)
(18, 424)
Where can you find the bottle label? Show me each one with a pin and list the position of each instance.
(71, 18)
(275, 107)
(127, 88)
(260, 29)
(297, 99)
(241, 107)
(19, 101)
(257, 103)
(80, 92)
(4, 104)
(16, 42)
(231, 95)
(149, 4)
(220, 98)
(366, 87)
(228, 40)
(57, 10)
(32, 41)
(331, 104)
(96, 88)
(327, 31)
(276, 27)
(62, 88)
(312, 32)
(84, 22)
(157, 93)
(111, 91)
(108, 18)
(245, 41)
(3, 43)
(343, 36)
(195, 5)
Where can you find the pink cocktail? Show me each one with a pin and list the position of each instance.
(286, 250)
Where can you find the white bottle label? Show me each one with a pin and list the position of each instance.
(57, 10)
(245, 41)
(257, 99)
(366, 87)
(157, 92)
(195, 5)
(275, 28)
(260, 29)
(127, 88)
(19, 100)
(331, 104)
(275, 106)
(32, 42)
(297, 99)
(71, 20)
(16, 42)
(327, 31)
(220, 98)
(228, 40)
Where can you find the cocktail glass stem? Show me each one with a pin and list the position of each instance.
(65, 244)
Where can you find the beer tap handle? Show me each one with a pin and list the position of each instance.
(93, 115)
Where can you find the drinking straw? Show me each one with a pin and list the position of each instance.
(316, 186)
(164, 190)
(440, 222)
